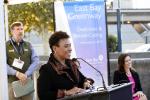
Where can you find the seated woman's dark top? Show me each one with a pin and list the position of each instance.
(121, 77)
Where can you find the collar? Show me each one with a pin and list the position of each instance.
(60, 69)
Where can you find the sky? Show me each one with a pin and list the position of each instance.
(136, 3)
(139, 3)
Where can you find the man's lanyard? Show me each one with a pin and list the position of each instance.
(15, 47)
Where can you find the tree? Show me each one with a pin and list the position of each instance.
(35, 16)
(112, 43)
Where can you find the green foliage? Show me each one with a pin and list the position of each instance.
(37, 16)
(112, 43)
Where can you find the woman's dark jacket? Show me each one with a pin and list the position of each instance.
(121, 77)
(51, 80)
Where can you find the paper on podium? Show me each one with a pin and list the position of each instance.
(90, 90)
(85, 91)
(21, 90)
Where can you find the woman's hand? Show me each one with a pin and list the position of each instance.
(139, 94)
(73, 91)
(87, 84)
(22, 77)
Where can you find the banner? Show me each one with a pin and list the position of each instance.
(87, 26)
(91, 0)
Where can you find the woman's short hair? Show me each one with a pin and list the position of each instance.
(56, 37)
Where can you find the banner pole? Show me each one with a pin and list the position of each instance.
(3, 67)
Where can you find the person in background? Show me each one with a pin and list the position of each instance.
(22, 60)
(60, 76)
(126, 73)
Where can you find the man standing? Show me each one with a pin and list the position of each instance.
(21, 59)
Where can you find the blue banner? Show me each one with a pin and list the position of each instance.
(91, 0)
(88, 29)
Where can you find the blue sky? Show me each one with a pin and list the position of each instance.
(139, 3)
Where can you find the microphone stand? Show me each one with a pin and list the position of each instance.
(103, 82)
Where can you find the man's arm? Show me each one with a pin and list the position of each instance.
(10, 70)
(34, 63)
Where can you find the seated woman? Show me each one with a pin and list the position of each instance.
(126, 73)
(60, 76)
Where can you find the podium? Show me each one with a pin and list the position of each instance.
(116, 92)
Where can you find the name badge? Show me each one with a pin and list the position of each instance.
(11, 50)
(18, 63)
(26, 50)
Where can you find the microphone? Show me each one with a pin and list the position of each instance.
(103, 82)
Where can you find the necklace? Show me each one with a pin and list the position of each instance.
(128, 73)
